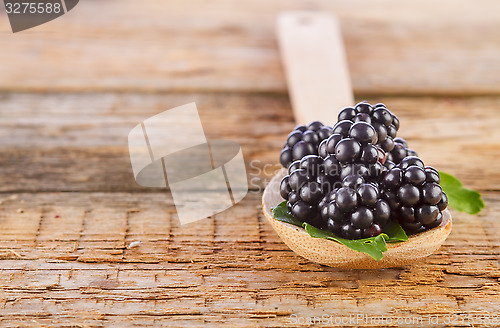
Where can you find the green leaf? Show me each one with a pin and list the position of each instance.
(460, 198)
(395, 232)
(373, 246)
(281, 213)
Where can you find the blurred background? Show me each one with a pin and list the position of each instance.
(80, 82)
(393, 47)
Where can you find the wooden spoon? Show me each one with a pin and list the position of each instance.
(318, 78)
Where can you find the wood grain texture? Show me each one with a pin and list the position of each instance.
(66, 244)
(82, 245)
(78, 142)
(75, 265)
(313, 56)
(392, 47)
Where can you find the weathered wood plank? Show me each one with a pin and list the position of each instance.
(105, 252)
(231, 269)
(78, 142)
(423, 47)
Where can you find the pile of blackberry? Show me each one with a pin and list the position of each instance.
(357, 176)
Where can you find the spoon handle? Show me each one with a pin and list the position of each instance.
(315, 65)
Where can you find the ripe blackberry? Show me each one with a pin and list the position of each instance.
(355, 210)
(352, 150)
(305, 187)
(303, 141)
(385, 123)
(414, 194)
(354, 177)
(400, 151)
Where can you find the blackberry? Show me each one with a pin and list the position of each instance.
(303, 141)
(400, 151)
(355, 210)
(352, 150)
(305, 187)
(385, 123)
(354, 177)
(323, 204)
(414, 194)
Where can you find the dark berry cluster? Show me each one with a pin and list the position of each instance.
(414, 194)
(351, 150)
(354, 177)
(355, 210)
(305, 186)
(385, 123)
(303, 141)
(400, 151)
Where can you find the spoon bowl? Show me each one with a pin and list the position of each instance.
(331, 253)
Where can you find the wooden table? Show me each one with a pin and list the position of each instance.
(71, 90)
